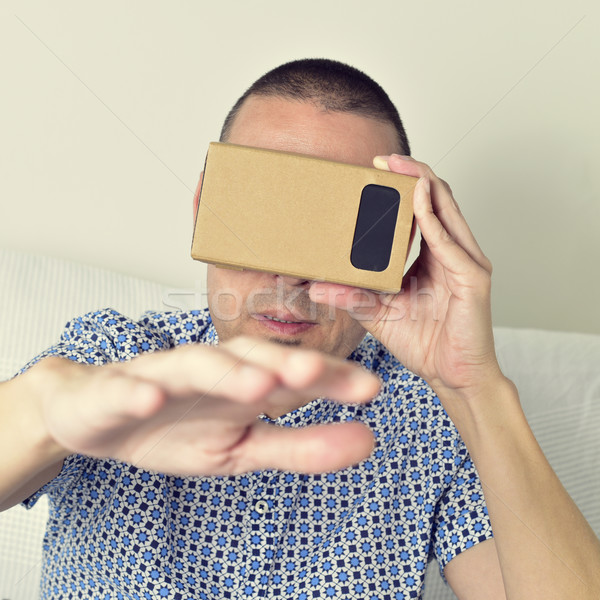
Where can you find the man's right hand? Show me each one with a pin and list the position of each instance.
(189, 411)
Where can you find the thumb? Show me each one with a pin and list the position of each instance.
(369, 308)
(314, 449)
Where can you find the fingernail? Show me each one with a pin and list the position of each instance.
(381, 162)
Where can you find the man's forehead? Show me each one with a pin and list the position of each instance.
(278, 123)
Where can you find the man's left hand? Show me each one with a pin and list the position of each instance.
(439, 325)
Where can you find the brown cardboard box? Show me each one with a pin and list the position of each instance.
(297, 215)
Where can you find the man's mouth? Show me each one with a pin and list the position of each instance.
(280, 320)
(284, 324)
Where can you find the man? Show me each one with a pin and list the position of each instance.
(169, 479)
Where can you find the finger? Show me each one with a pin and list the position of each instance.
(315, 449)
(312, 373)
(451, 255)
(404, 165)
(199, 369)
(370, 309)
(362, 305)
(443, 202)
(448, 213)
(121, 398)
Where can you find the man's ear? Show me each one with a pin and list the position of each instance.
(197, 195)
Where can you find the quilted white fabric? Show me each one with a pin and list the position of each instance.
(558, 376)
(39, 294)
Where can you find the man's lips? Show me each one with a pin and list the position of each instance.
(284, 324)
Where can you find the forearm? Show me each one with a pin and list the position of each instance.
(28, 456)
(545, 546)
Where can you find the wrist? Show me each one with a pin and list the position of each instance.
(485, 410)
(34, 388)
(29, 455)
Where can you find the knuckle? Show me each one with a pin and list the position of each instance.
(240, 345)
(487, 265)
(428, 172)
(246, 383)
(239, 341)
(483, 279)
(445, 185)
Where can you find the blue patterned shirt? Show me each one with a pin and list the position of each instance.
(117, 531)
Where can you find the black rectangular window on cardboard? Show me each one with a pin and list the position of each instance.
(375, 225)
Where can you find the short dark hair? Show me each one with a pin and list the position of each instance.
(330, 84)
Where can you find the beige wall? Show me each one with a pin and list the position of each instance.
(107, 109)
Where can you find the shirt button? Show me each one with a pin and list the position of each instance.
(262, 506)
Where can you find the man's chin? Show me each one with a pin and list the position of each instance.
(285, 342)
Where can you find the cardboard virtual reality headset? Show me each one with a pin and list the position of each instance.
(305, 217)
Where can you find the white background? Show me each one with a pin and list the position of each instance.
(106, 110)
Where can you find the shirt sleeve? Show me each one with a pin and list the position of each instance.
(104, 336)
(96, 338)
(72, 469)
(461, 519)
